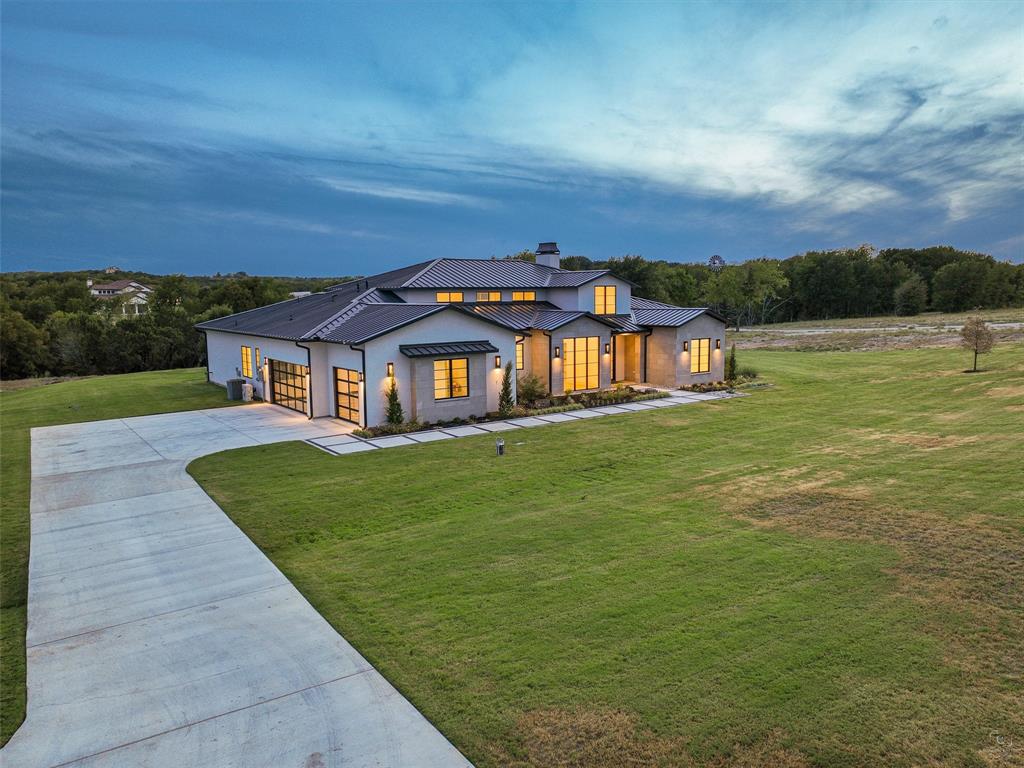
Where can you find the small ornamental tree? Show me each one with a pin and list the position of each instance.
(730, 365)
(977, 337)
(505, 401)
(395, 413)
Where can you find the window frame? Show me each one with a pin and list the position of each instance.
(524, 295)
(700, 350)
(591, 346)
(246, 361)
(520, 354)
(451, 297)
(448, 368)
(489, 297)
(608, 297)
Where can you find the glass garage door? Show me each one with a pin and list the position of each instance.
(346, 393)
(288, 384)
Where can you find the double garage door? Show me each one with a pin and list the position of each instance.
(288, 385)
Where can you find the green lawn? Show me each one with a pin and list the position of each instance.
(90, 399)
(825, 573)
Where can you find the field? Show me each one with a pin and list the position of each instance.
(88, 399)
(829, 572)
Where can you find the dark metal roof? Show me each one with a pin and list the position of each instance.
(522, 316)
(657, 313)
(291, 319)
(486, 273)
(368, 321)
(449, 348)
(624, 323)
(576, 278)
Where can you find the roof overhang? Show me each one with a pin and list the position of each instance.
(447, 348)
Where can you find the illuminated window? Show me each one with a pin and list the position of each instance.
(288, 384)
(604, 299)
(519, 355)
(259, 360)
(247, 361)
(524, 295)
(581, 366)
(488, 295)
(700, 355)
(446, 297)
(451, 378)
(346, 394)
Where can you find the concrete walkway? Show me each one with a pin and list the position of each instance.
(342, 444)
(159, 635)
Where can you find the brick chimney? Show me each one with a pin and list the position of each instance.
(548, 255)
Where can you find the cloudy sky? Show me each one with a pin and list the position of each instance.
(335, 139)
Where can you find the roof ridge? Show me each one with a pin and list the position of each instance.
(406, 282)
(352, 308)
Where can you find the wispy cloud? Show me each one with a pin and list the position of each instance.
(395, 192)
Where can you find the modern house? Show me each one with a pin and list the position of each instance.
(443, 331)
(134, 295)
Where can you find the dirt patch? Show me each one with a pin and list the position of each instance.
(917, 440)
(596, 738)
(862, 341)
(1015, 391)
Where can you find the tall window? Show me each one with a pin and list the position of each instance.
(519, 355)
(604, 299)
(524, 295)
(581, 369)
(451, 378)
(700, 355)
(446, 297)
(259, 360)
(247, 362)
(488, 295)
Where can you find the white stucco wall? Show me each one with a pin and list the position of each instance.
(585, 326)
(224, 357)
(444, 326)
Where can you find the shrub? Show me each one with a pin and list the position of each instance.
(747, 372)
(505, 401)
(531, 389)
(395, 413)
(730, 364)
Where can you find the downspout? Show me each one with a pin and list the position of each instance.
(309, 367)
(362, 388)
(613, 337)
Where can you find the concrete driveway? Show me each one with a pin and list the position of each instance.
(159, 635)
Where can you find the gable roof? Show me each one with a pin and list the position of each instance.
(119, 285)
(657, 313)
(522, 316)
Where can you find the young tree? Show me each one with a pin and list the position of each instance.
(730, 365)
(976, 336)
(395, 413)
(505, 401)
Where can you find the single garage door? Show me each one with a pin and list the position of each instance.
(346, 391)
(288, 384)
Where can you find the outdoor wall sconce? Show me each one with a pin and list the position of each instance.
(558, 351)
(391, 370)
(497, 361)
(718, 343)
(686, 346)
(607, 349)
(361, 377)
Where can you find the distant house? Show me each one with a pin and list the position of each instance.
(111, 270)
(443, 330)
(134, 295)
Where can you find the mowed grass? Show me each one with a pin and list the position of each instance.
(825, 573)
(89, 399)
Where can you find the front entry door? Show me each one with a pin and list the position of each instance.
(288, 384)
(346, 394)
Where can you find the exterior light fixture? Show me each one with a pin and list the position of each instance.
(497, 361)
(361, 377)
(558, 351)
(391, 370)
(686, 346)
(607, 349)
(718, 343)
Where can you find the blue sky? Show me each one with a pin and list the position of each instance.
(337, 139)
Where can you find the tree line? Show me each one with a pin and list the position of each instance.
(50, 324)
(822, 285)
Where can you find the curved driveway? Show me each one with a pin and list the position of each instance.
(159, 635)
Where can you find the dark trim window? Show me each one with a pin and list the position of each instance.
(700, 355)
(247, 362)
(346, 394)
(451, 378)
(524, 295)
(448, 297)
(604, 299)
(582, 363)
(519, 355)
(483, 296)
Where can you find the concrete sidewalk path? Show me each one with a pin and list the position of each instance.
(159, 635)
